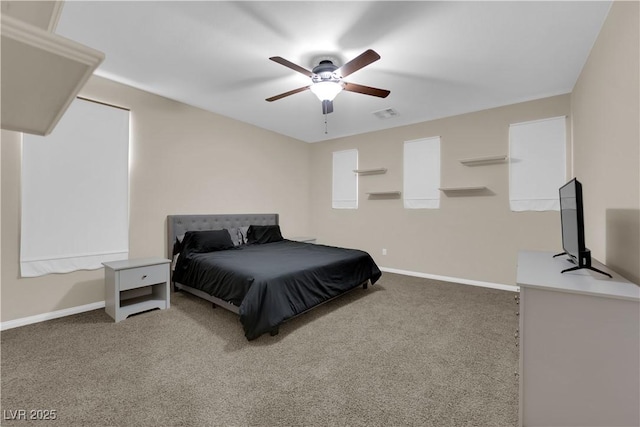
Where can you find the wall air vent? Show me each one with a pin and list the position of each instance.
(387, 113)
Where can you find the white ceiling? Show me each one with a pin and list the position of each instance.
(438, 59)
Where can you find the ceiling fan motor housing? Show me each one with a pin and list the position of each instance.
(325, 72)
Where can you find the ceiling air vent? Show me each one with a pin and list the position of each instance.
(387, 113)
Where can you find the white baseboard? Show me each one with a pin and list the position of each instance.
(511, 288)
(10, 324)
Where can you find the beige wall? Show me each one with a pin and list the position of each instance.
(471, 237)
(606, 139)
(184, 160)
(241, 168)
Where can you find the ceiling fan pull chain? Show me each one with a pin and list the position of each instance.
(325, 124)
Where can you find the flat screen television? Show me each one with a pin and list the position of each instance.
(572, 221)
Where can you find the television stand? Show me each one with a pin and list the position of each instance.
(579, 342)
(583, 262)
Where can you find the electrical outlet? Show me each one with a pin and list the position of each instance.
(384, 251)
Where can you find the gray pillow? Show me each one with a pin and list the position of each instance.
(242, 233)
(234, 232)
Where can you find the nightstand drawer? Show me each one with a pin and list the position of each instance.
(132, 278)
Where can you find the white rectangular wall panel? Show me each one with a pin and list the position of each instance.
(537, 164)
(345, 180)
(75, 192)
(422, 173)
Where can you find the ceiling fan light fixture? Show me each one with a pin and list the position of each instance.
(326, 79)
(326, 91)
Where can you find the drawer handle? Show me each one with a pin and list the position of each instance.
(144, 277)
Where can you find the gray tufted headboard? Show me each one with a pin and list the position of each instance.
(177, 225)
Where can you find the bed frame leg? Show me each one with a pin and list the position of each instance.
(274, 331)
(213, 305)
(365, 285)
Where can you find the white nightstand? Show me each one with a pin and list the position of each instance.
(123, 276)
(305, 239)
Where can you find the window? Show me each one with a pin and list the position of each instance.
(75, 191)
(537, 164)
(422, 173)
(345, 180)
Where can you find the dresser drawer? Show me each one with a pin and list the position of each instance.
(143, 276)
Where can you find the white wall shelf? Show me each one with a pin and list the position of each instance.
(462, 189)
(487, 160)
(384, 193)
(376, 171)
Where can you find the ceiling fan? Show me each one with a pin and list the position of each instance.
(326, 79)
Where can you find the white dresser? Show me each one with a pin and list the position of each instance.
(579, 338)
(136, 285)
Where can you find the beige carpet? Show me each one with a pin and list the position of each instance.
(406, 351)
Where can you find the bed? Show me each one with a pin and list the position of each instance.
(267, 282)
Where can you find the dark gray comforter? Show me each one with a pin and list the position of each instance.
(273, 282)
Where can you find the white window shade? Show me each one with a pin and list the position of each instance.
(537, 164)
(345, 180)
(75, 191)
(422, 173)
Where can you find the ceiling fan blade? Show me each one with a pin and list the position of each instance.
(291, 65)
(291, 92)
(358, 62)
(352, 87)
